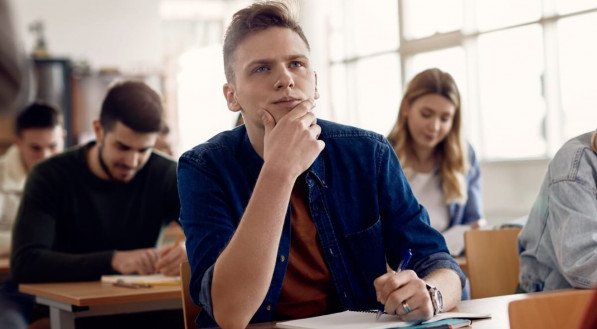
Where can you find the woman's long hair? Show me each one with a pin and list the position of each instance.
(451, 152)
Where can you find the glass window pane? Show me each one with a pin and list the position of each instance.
(378, 91)
(338, 33)
(362, 27)
(423, 18)
(569, 6)
(493, 14)
(577, 54)
(375, 26)
(339, 87)
(512, 106)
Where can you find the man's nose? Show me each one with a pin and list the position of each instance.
(132, 159)
(284, 80)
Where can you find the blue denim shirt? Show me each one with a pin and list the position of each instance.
(470, 210)
(559, 241)
(358, 196)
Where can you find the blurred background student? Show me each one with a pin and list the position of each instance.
(39, 135)
(441, 168)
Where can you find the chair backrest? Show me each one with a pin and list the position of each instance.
(189, 309)
(557, 309)
(589, 320)
(492, 261)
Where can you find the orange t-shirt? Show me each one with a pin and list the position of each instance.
(307, 289)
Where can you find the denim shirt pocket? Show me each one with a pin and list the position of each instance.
(367, 249)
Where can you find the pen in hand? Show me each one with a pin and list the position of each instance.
(405, 259)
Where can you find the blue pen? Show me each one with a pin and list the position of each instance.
(406, 255)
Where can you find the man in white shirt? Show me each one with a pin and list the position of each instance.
(39, 135)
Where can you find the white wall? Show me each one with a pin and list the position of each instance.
(107, 33)
(510, 187)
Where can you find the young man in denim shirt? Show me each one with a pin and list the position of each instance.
(288, 216)
(559, 242)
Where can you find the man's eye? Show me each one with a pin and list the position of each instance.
(296, 64)
(260, 69)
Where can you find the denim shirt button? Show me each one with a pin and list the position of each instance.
(268, 307)
(282, 258)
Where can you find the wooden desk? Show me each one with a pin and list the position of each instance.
(71, 300)
(496, 306)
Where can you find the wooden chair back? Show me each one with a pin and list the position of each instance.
(189, 309)
(589, 320)
(550, 310)
(492, 261)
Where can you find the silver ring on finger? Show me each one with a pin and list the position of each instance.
(406, 307)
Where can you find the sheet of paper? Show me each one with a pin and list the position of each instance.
(366, 320)
(346, 320)
(153, 279)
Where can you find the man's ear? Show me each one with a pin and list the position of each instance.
(18, 141)
(316, 95)
(231, 99)
(98, 130)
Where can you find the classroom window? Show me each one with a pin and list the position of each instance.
(525, 75)
(491, 14)
(365, 79)
(510, 73)
(377, 81)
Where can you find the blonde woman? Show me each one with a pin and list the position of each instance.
(442, 169)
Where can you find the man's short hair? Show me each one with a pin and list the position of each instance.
(134, 104)
(257, 17)
(38, 115)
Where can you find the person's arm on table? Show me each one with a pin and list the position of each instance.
(290, 146)
(406, 294)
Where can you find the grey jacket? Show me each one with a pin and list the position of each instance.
(559, 242)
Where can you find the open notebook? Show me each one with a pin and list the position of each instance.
(153, 279)
(366, 320)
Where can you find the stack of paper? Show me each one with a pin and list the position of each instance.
(153, 279)
(366, 320)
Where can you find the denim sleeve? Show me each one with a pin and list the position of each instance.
(472, 208)
(433, 262)
(207, 223)
(573, 230)
(406, 222)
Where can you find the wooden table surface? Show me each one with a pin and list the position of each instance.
(71, 300)
(96, 293)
